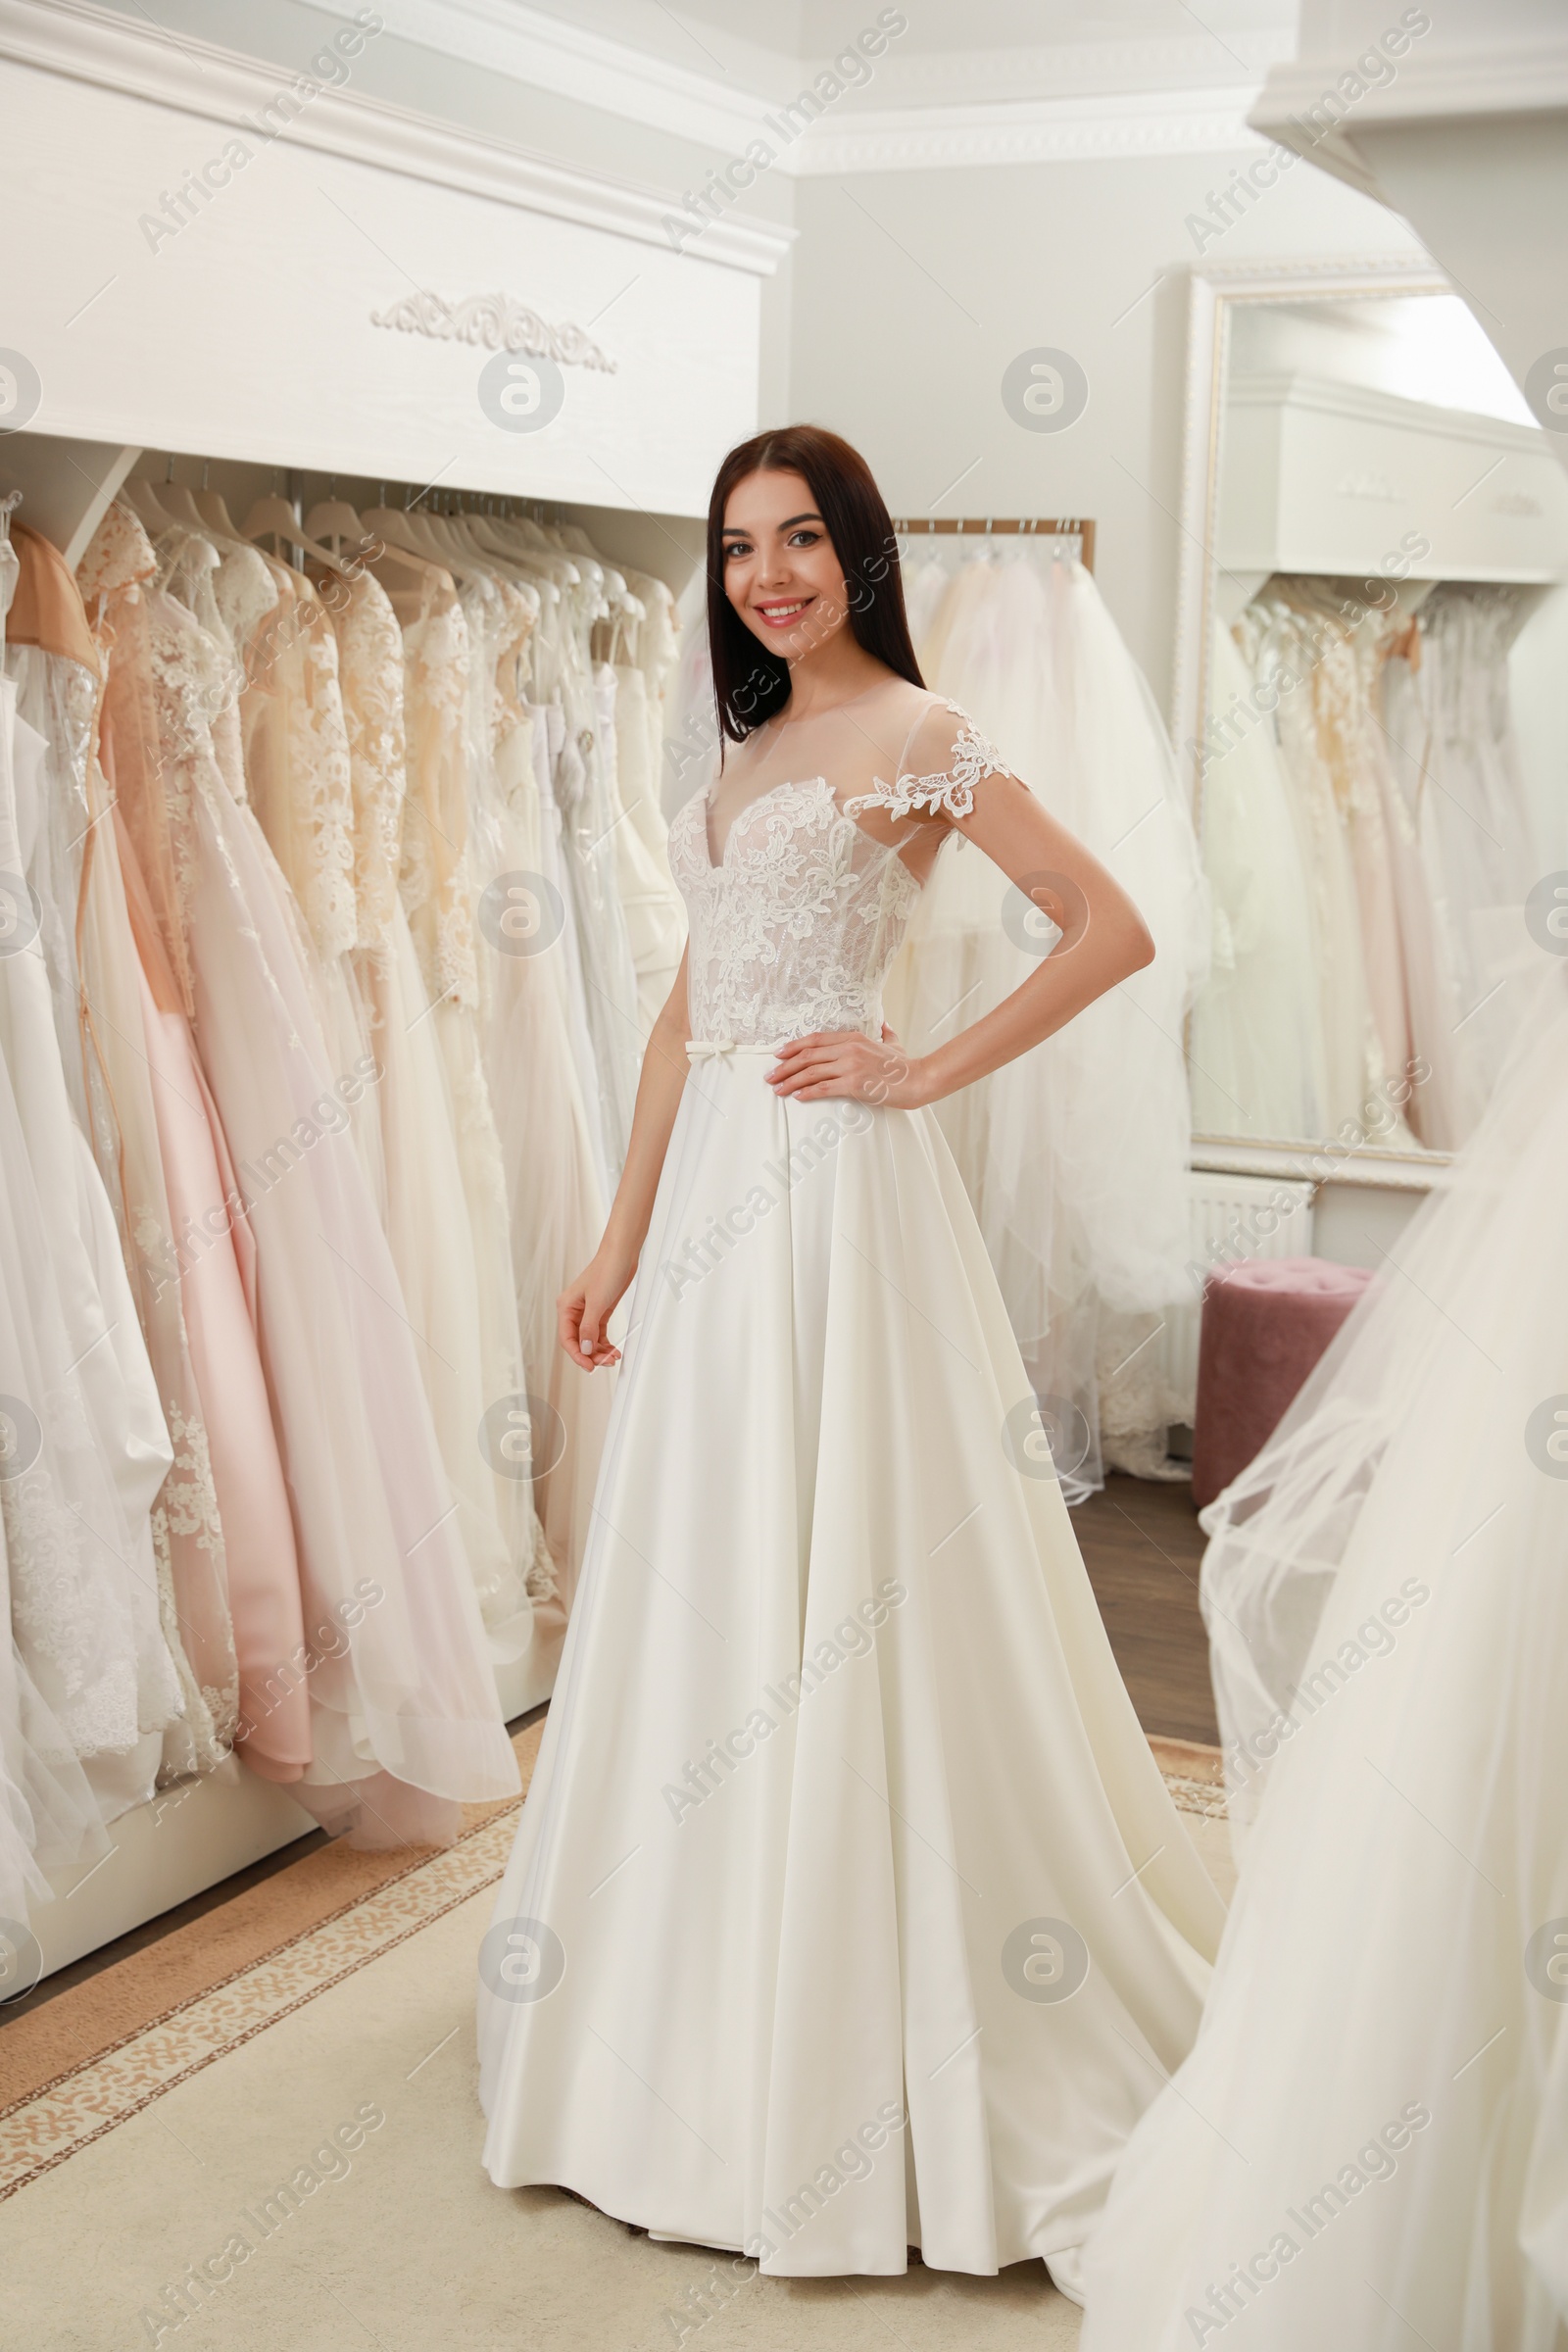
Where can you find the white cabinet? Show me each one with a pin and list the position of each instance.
(1332, 478)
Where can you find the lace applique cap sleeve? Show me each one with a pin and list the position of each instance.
(944, 758)
(119, 552)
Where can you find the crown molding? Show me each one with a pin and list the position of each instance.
(1074, 69)
(552, 53)
(86, 43)
(1530, 78)
(1030, 131)
(1431, 85)
(915, 130)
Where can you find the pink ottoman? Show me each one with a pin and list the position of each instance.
(1265, 1324)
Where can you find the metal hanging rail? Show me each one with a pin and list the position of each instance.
(1002, 527)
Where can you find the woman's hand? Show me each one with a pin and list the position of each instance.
(842, 1062)
(586, 1306)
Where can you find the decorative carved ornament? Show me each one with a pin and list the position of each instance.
(498, 322)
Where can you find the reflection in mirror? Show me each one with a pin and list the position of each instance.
(1381, 656)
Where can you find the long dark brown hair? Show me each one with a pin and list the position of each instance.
(751, 683)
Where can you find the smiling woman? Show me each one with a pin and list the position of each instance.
(688, 2008)
(792, 578)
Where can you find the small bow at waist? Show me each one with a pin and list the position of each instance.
(712, 1049)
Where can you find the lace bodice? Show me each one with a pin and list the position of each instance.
(795, 923)
(369, 648)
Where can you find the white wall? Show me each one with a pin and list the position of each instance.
(913, 291)
(407, 74)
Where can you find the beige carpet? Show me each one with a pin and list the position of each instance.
(340, 2061)
(400, 2241)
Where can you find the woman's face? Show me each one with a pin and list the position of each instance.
(780, 572)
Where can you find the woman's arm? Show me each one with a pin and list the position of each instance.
(585, 1306)
(1103, 940)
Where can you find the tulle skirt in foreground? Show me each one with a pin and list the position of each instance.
(1369, 2143)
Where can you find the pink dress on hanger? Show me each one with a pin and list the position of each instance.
(404, 1718)
(213, 1257)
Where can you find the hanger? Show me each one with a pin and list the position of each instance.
(389, 526)
(210, 507)
(144, 501)
(179, 503)
(335, 518)
(273, 518)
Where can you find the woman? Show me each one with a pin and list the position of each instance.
(849, 1912)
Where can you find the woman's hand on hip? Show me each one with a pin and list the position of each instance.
(844, 1063)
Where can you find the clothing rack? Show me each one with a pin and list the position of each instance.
(1003, 526)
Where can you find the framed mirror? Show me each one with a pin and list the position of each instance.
(1370, 705)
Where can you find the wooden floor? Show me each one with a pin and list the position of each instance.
(1142, 1545)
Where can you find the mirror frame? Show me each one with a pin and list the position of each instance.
(1213, 293)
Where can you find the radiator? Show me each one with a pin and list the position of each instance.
(1229, 1218)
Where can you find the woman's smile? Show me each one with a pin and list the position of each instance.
(779, 613)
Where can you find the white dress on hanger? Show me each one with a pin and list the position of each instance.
(656, 923)
(82, 1447)
(842, 1813)
(1384, 2060)
(110, 1393)
(553, 1182)
(549, 734)
(429, 1220)
(1451, 745)
(1257, 1060)
(690, 743)
(588, 842)
(1075, 1154)
(927, 581)
(1279, 648)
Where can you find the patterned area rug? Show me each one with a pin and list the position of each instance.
(135, 2048)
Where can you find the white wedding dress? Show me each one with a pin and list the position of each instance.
(1076, 1155)
(1256, 1056)
(1383, 2066)
(842, 1814)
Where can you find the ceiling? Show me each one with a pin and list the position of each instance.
(952, 49)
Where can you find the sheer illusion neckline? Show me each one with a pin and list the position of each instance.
(819, 780)
(806, 717)
(784, 784)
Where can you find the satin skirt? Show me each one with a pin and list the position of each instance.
(847, 1912)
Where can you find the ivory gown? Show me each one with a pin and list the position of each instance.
(107, 1388)
(1075, 1154)
(456, 1279)
(552, 1177)
(933, 1862)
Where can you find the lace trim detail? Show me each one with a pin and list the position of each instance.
(370, 677)
(951, 791)
(795, 927)
(119, 553)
